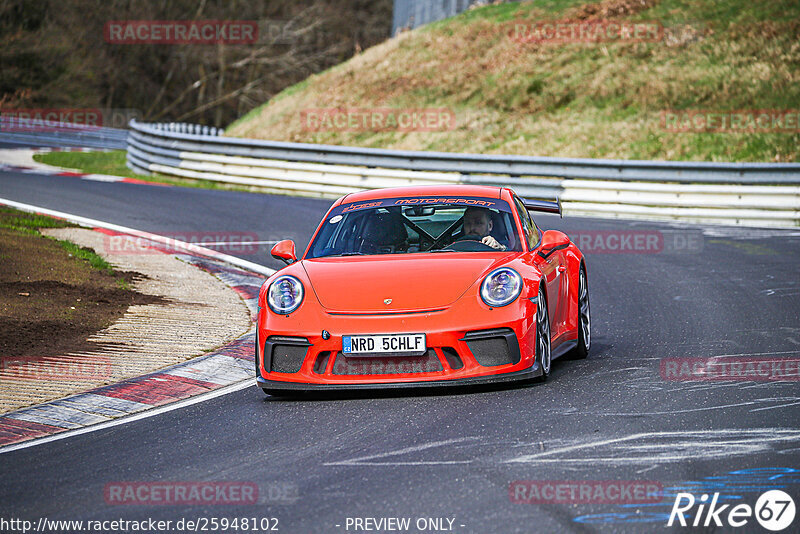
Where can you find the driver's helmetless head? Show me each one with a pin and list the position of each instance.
(477, 221)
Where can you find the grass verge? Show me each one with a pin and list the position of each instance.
(54, 294)
(113, 163)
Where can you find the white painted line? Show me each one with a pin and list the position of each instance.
(648, 448)
(775, 407)
(793, 352)
(365, 460)
(131, 418)
(670, 447)
(102, 178)
(673, 412)
(93, 223)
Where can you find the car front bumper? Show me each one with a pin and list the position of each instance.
(277, 385)
(464, 347)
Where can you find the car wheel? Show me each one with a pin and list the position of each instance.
(584, 318)
(543, 334)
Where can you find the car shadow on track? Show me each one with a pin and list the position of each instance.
(561, 365)
(400, 392)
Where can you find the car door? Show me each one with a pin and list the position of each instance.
(552, 267)
(561, 288)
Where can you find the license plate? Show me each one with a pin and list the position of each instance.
(389, 344)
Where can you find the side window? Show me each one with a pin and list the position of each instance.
(535, 231)
(531, 232)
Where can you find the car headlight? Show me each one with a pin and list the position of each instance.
(285, 294)
(501, 287)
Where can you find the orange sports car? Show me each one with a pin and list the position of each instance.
(422, 286)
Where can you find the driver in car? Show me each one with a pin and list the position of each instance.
(478, 224)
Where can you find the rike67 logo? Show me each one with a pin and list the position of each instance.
(774, 510)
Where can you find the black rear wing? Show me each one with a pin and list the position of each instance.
(547, 206)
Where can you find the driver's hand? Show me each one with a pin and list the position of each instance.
(492, 242)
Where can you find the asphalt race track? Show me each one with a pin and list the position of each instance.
(317, 461)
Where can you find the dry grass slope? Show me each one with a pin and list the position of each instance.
(601, 100)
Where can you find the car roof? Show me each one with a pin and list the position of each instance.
(423, 190)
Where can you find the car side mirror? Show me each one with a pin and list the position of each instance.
(553, 239)
(284, 251)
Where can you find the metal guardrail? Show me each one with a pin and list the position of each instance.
(415, 13)
(596, 169)
(55, 134)
(757, 194)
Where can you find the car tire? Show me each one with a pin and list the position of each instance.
(581, 351)
(543, 353)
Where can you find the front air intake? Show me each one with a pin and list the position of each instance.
(498, 346)
(285, 354)
(452, 357)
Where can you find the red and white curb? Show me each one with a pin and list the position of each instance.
(225, 370)
(5, 167)
(49, 170)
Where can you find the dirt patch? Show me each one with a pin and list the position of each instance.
(50, 300)
(75, 314)
(612, 8)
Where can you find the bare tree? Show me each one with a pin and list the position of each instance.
(54, 54)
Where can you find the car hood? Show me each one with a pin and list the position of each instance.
(412, 282)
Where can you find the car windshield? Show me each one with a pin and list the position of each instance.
(417, 224)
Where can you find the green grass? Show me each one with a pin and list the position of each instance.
(30, 223)
(87, 254)
(113, 163)
(567, 99)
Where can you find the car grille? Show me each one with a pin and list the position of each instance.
(383, 365)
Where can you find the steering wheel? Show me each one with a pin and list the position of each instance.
(439, 242)
(470, 243)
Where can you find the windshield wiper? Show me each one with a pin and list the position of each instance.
(442, 250)
(351, 254)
